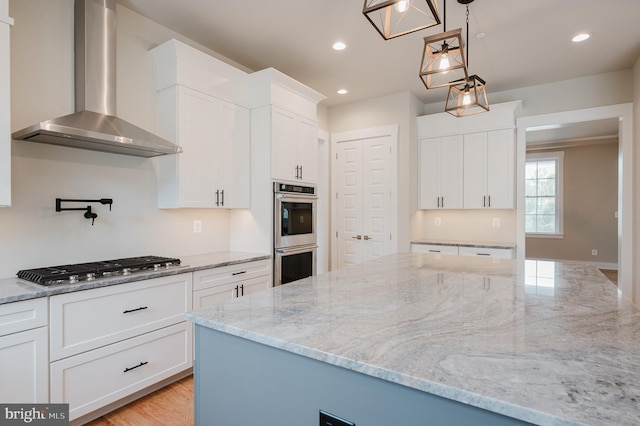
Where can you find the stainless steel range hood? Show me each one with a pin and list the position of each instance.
(95, 126)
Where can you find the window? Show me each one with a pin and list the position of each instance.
(543, 194)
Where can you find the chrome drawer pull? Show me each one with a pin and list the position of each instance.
(134, 367)
(136, 309)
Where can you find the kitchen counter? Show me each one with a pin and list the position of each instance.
(15, 289)
(542, 342)
(461, 243)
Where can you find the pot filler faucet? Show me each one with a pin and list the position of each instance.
(87, 210)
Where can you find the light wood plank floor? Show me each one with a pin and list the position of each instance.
(611, 274)
(171, 405)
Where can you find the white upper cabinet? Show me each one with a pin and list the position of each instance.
(285, 117)
(294, 148)
(201, 107)
(5, 106)
(475, 167)
(441, 173)
(489, 171)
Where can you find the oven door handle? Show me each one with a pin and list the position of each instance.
(295, 197)
(296, 249)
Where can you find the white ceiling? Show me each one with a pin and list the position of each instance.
(526, 43)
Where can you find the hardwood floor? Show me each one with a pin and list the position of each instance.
(171, 405)
(611, 274)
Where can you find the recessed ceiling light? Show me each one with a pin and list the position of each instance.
(339, 45)
(342, 91)
(581, 37)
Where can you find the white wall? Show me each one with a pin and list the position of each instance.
(32, 234)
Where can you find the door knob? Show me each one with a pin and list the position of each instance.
(357, 237)
(366, 237)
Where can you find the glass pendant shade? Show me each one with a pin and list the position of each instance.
(394, 18)
(467, 97)
(443, 60)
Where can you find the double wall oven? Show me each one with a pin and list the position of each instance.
(295, 239)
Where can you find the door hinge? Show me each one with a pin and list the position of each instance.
(336, 234)
(336, 155)
(336, 195)
(390, 239)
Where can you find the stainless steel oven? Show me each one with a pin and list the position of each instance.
(295, 239)
(294, 263)
(294, 214)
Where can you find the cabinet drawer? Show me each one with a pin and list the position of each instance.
(96, 378)
(434, 248)
(228, 274)
(504, 253)
(86, 320)
(23, 315)
(213, 295)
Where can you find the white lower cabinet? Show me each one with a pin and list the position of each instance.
(434, 248)
(457, 250)
(504, 253)
(219, 284)
(110, 342)
(24, 361)
(93, 379)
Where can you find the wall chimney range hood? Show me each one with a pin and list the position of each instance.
(94, 125)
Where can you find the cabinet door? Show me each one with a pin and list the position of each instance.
(308, 150)
(451, 172)
(5, 109)
(234, 161)
(475, 177)
(441, 173)
(500, 169)
(24, 364)
(256, 284)
(284, 144)
(429, 174)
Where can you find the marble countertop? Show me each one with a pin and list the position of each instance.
(461, 243)
(544, 342)
(15, 289)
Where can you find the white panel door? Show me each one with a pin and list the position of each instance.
(349, 203)
(376, 198)
(364, 200)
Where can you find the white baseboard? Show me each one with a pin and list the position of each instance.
(599, 265)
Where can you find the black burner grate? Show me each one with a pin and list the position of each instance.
(82, 271)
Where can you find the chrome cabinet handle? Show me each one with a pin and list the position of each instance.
(366, 237)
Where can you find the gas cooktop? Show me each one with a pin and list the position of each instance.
(70, 274)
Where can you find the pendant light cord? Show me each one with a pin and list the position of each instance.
(467, 34)
(444, 26)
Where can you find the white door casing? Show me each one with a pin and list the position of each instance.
(364, 218)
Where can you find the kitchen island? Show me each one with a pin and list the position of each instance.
(417, 339)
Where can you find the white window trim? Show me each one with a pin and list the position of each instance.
(559, 157)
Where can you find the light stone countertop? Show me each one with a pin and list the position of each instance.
(544, 342)
(15, 289)
(462, 243)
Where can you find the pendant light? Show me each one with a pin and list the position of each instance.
(443, 57)
(394, 18)
(467, 96)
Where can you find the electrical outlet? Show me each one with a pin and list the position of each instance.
(197, 226)
(594, 252)
(496, 222)
(437, 221)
